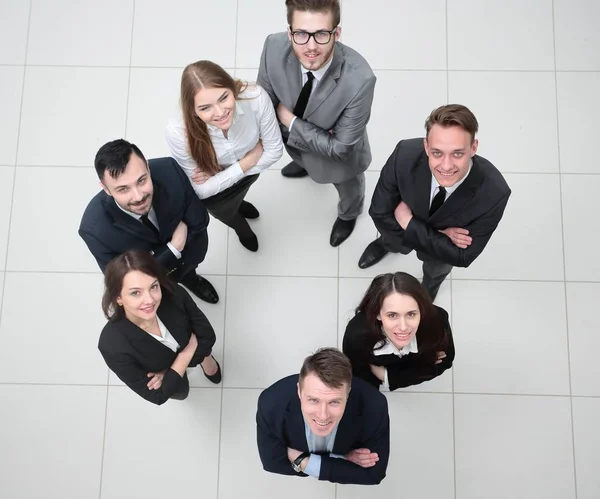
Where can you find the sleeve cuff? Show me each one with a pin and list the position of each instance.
(386, 381)
(313, 467)
(174, 250)
(292, 123)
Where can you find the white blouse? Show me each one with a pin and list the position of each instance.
(254, 119)
(166, 337)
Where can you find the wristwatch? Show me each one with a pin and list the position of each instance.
(298, 461)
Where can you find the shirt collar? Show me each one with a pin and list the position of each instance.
(236, 115)
(388, 348)
(452, 188)
(319, 73)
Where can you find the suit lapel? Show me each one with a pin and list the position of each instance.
(348, 428)
(127, 223)
(295, 426)
(422, 183)
(174, 319)
(326, 85)
(140, 340)
(294, 78)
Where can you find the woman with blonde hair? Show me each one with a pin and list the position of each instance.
(226, 135)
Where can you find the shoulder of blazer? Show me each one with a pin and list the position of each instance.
(366, 398)
(493, 180)
(276, 399)
(354, 63)
(98, 215)
(165, 172)
(111, 339)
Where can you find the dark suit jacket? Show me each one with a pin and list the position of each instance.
(402, 371)
(477, 205)
(108, 231)
(365, 423)
(131, 353)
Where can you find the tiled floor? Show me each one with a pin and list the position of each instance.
(518, 415)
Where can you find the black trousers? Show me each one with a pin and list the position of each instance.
(225, 206)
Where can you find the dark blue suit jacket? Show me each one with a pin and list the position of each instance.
(365, 424)
(108, 231)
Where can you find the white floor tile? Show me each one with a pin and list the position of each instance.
(69, 112)
(6, 189)
(510, 337)
(241, 473)
(578, 109)
(524, 247)
(577, 35)
(10, 103)
(581, 226)
(1, 294)
(510, 446)
(586, 414)
(254, 25)
(71, 32)
(421, 450)
(397, 25)
(498, 34)
(584, 323)
(166, 451)
(167, 36)
(296, 316)
(402, 102)
(14, 19)
(525, 100)
(296, 217)
(66, 308)
(51, 441)
(45, 238)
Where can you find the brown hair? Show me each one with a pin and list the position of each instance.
(322, 6)
(431, 335)
(196, 76)
(115, 273)
(453, 115)
(330, 365)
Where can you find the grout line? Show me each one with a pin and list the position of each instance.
(14, 180)
(104, 438)
(562, 222)
(129, 75)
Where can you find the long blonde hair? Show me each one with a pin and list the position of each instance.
(196, 76)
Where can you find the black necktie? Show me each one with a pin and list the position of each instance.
(438, 201)
(146, 221)
(304, 95)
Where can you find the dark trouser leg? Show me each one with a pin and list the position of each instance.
(434, 273)
(225, 206)
(352, 197)
(183, 389)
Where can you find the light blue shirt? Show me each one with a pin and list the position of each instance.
(318, 444)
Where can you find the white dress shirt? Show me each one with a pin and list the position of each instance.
(254, 118)
(152, 217)
(166, 338)
(435, 186)
(318, 76)
(388, 348)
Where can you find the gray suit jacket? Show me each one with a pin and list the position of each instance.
(331, 141)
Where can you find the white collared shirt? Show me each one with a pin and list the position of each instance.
(388, 348)
(318, 76)
(254, 118)
(435, 186)
(153, 218)
(166, 338)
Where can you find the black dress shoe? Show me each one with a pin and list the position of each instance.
(248, 210)
(200, 287)
(341, 231)
(249, 240)
(293, 170)
(213, 378)
(373, 254)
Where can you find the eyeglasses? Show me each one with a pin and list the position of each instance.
(321, 37)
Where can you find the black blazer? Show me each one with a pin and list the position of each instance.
(477, 205)
(108, 231)
(402, 371)
(131, 353)
(365, 423)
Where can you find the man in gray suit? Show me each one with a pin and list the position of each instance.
(322, 91)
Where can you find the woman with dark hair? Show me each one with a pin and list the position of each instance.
(155, 330)
(398, 338)
(226, 135)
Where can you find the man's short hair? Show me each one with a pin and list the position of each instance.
(453, 115)
(321, 6)
(114, 156)
(330, 365)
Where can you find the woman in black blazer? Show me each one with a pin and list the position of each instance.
(155, 330)
(398, 338)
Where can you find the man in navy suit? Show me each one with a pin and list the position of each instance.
(148, 206)
(324, 423)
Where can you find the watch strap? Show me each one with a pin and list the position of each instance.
(296, 463)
